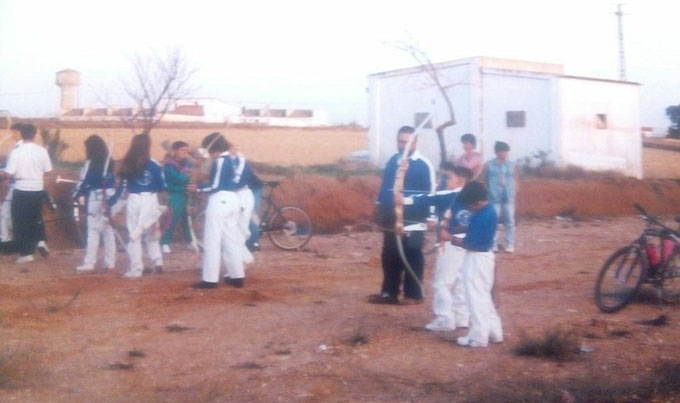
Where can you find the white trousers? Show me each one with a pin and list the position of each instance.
(143, 212)
(478, 275)
(6, 217)
(247, 203)
(98, 227)
(449, 304)
(222, 237)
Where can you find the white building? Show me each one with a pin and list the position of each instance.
(592, 123)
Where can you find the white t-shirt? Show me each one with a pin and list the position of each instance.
(27, 164)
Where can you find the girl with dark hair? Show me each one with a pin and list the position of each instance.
(143, 178)
(221, 235)
(96, 186)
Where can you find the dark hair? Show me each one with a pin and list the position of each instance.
(179, 144)
(97, 152)
(215, 142)
(27, 130)
(406, 129)
(137, 156)
(472, 193)
(501, 146)
(469, 138)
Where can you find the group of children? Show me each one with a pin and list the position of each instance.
(102, 187)
(467, 216)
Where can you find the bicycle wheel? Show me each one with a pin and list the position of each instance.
(670, 278)
(289, 228)
(620, 278)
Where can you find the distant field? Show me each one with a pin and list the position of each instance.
(660, 163)
(276, 146)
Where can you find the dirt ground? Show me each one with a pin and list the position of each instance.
(301, 330)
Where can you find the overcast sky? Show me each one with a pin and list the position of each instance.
(318, 53)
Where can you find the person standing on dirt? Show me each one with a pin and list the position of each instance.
(177, 169)
(221, 219)
(500, 176)
(143, 178)
(470, 159)
(27, 165)
(479, 268)
(93, 185)
(419, 178)
(448, 305)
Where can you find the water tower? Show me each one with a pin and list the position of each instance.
(69, 81)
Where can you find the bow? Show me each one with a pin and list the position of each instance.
(398, 201)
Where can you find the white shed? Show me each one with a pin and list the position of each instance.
(592, 123)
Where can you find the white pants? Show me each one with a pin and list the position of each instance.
(247, 202)
(6, 217)
(98, 226)
(221, 237)
(478, 275)
(143, 212)
(449, 304)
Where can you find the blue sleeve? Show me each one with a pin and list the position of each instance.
(206, 187)
(159, 184)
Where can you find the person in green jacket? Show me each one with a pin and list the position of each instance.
(177, 171)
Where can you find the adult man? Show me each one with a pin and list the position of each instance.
(419, 178)
(27, 165)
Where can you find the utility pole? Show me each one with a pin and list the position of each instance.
(622, 55)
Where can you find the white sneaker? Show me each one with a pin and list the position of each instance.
(165, 249)
(466, 342)
(42, 248)
(510, 249)
(25, 259)
(132, 274)
(85, 267)
(439, 325)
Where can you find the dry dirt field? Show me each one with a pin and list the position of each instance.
(275, 146)
(301, 331)
(660, 163)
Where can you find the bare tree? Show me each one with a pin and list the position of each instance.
(411, 47)
(158, 83)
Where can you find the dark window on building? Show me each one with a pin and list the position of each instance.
(418, 119)
(515, 119)
(601, 121)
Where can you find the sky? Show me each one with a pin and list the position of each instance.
(318, 53)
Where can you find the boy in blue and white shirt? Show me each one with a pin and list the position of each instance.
(449, 304)
(479, 268)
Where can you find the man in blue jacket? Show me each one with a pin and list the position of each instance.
(419, 178)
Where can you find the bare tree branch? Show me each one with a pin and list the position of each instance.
(425, 63)
(159, 82)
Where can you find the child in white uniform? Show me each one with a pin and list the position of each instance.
(143, 179)
(97, 188)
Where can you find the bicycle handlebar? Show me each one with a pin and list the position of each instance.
(654, 221)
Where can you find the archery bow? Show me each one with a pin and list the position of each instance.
(398, 201)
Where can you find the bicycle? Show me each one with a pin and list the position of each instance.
(287, 227)
(652, 258)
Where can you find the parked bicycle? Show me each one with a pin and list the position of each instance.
(653, 258)
(287, 227)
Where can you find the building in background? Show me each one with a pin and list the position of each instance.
(588, 122)
(198, 110)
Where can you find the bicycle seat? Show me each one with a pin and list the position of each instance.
(272, 183)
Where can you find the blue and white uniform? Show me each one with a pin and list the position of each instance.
(478, 275)
(448, 305)
(6, 208)
(92, 186)
(242, 173)
(221, 235)
(142, 214)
